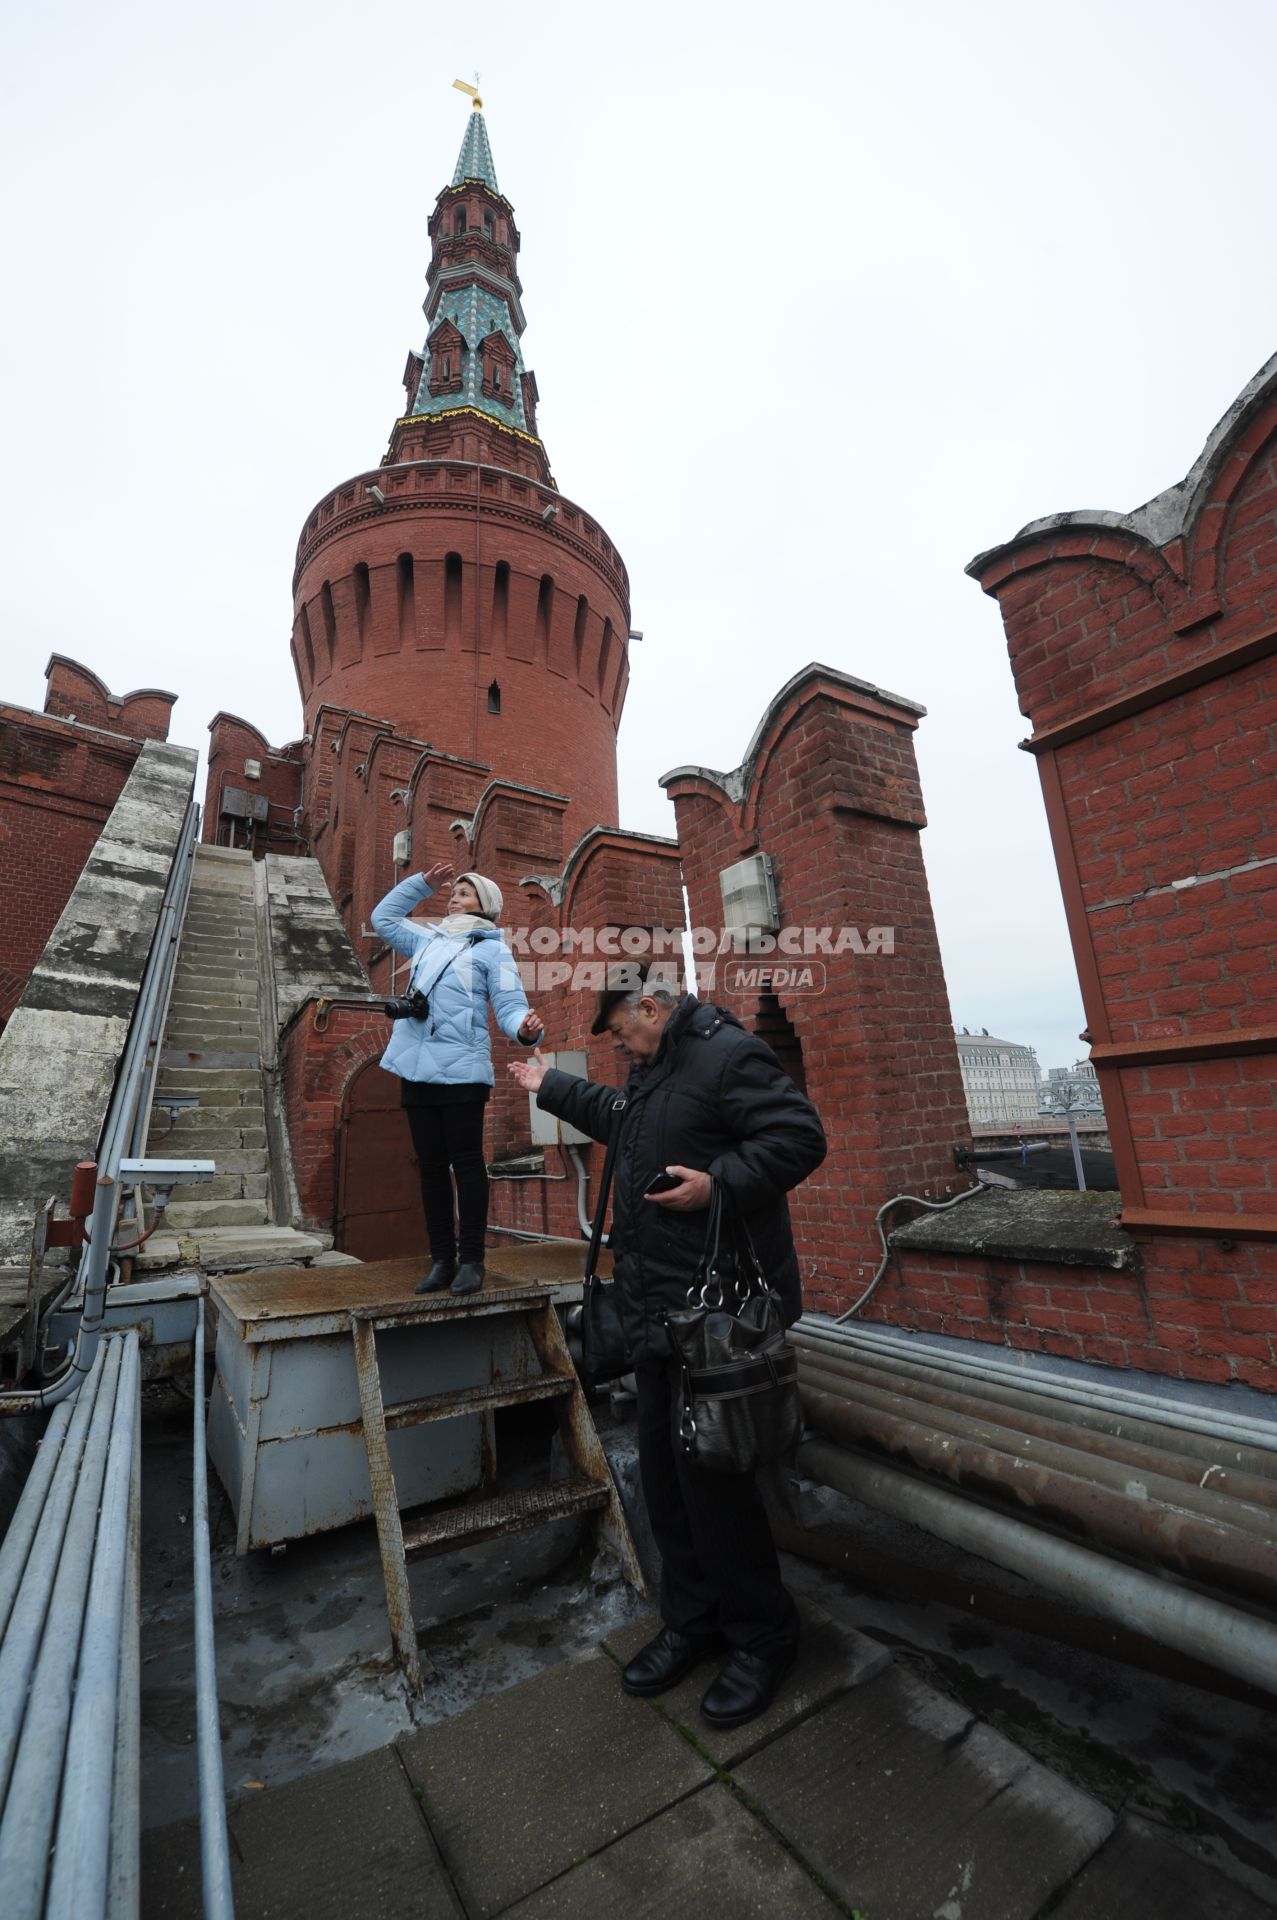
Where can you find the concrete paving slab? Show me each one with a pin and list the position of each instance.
(528, 1782)
(350, 1841)
(347, 1843)
(831, 1659)
(915, 1810)
(1139, 1875)
(707, 1857)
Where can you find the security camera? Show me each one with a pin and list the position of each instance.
(376, 494)
(548, 514)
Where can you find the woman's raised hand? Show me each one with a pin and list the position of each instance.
(530, 1073)
(439, 875)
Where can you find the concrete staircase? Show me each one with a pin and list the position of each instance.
(212, 1054)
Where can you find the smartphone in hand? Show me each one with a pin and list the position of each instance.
(662, 1182)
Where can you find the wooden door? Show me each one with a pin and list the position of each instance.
(379, 1214)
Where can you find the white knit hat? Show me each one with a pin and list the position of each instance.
(490, 897)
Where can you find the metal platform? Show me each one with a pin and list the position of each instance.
(286, 1425)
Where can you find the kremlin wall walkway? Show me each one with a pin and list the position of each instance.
(865, 1790)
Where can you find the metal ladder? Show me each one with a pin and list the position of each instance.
(589, 1488)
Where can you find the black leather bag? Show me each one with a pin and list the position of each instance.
(737, 1405)
(603, 1351)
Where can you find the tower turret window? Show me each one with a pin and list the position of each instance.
(459, 220)
(489, 226)
(494, 698)
(497, 362)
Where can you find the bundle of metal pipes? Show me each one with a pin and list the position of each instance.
(69, 1659)
(1047, 1463)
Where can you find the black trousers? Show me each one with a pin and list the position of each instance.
(719, 1571)
(448, 1143)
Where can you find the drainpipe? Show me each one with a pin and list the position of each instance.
(1240, 1643)
(1240, 1430)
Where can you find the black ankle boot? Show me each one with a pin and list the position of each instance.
(439, 1276)
(469, 1277)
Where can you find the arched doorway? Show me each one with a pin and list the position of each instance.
(379, 1213)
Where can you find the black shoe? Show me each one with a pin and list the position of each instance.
(662, 1663)
(439, 1276)
(746, 1687)
(469, 1277)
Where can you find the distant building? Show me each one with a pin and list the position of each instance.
(1001, 1079)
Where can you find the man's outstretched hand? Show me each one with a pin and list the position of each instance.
(530, 1073)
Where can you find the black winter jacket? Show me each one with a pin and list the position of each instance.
(714, 1098)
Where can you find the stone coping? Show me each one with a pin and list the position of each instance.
(1075, 1229)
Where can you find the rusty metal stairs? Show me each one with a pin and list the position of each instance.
(589, 1487)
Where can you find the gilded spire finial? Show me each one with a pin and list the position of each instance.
(463, 86)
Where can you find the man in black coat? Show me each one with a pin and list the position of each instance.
(705, 1101)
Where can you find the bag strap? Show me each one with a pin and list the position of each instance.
(467, 941)
(605, 1184)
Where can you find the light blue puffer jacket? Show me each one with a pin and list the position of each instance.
(450, 1048)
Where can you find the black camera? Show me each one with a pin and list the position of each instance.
(409, 1006)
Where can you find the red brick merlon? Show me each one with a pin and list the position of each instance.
(852, 997)
(74, 692)
(1144, 650)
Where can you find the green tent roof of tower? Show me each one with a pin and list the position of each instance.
(474, 162)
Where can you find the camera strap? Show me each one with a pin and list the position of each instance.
(426, 991)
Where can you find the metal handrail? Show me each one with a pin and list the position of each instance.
(215, 1852)
(130, 1103)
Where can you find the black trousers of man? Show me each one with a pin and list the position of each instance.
(719, 1570)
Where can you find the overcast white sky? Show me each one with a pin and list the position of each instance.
(822, 300)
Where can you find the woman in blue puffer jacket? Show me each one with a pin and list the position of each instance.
(461, 967)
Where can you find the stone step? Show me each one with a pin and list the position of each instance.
(195, 981)
(211, 1057)
(184, 1214)
(210, 1026)
(219, 1100)
(221, 953)
(226, 1186)
(239, 1161)
(191, 1080)
(217, 927)
(213, 1145)
(229, 1249)
(210, 1001)
(248, 1113)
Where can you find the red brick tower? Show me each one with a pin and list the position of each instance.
(453, 590)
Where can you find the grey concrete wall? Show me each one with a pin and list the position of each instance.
(59, 1052)
(310, 950)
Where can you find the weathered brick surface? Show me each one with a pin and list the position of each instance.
(832, 794)
(1164, 822)
(232, 744)
(58, 784)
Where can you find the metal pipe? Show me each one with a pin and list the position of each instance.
(215, 1855)
(1203, 1548)
(82, 1849)
(1210, 1452)
(31, 1802)
(20, 1644)
(26, 1515)
(1205, 1629)
(1050, 1450)
(900, 1200)
(1020, 1412)
(582, 1177)
(123, 1886)
(1240, 1429)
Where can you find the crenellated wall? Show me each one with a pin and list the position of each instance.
(829, 788)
